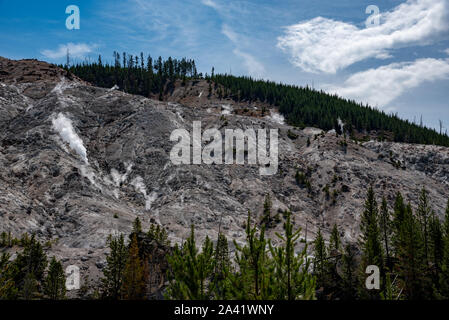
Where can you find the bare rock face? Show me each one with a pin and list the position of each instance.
(79, 163)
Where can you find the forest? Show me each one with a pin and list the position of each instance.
(410, 248)
(301, 106)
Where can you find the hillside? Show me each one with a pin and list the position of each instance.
(80, 162)
(300, 106)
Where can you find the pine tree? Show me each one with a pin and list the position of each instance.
(54, 285)
(436, 250)
(349, 273)
(370, 243)
(334, 252)
(423, 218)
(254, 278)
(266, 217)
(320, 264)
(137, 226)
(189, 270)
(29, 267)
(335, 241)
(444, 275)
(8, 290)
(29, 288)
(115, 266)
(292, 280)
(411, 265)
(133, 285)
(222, 268)
(385, 230)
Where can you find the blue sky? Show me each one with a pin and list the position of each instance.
(400, 65)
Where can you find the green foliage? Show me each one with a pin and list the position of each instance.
(8, 290)
(222, 269)
(370, 240)
(115, 265)
(54, 284)
(189, 270)
(423, 215)
(385, 230)
(410, 254)
(350, 280)
(267, 219)
(133, 283)
(302, 179)
(291, 279)
(308, 107)
(320, 264)
(159, 234)
(29, 268)
(156, 78)
(444, 275)
(254, 276)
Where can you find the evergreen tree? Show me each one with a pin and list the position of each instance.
(114, 269)
(436, 250)
(320, 264)
(370, 243)
(385, 230)
(266, 218)
(423, 218)
(399, 213)
(334, 252)
(133, 285)
(222, 268)
(254, 277)
(189, 270)
(444, 275)
(29, 267)
(54, 285)
(411, 265)
(8, 290)
(137, 226)
(292, 279)
(349, 273)
(335, 241)
(29, 288)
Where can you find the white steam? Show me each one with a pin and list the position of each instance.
(140, 186)
(64, 127)
(226, 109)
(276, 117)
(341, 124)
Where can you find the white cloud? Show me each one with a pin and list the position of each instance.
(254, 67)
(230, 34)
(211, 4)
(380, 86)
(326, 45)
(77, 50)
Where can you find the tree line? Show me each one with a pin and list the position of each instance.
(410, 248)
(136, 74)
(304, 106)
(301, 106)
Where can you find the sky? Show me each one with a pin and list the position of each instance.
(395, 59)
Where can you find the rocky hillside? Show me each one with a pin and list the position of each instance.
(80, 162)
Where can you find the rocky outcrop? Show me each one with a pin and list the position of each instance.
(79, 163)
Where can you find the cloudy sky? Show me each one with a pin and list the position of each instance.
(398, 63)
